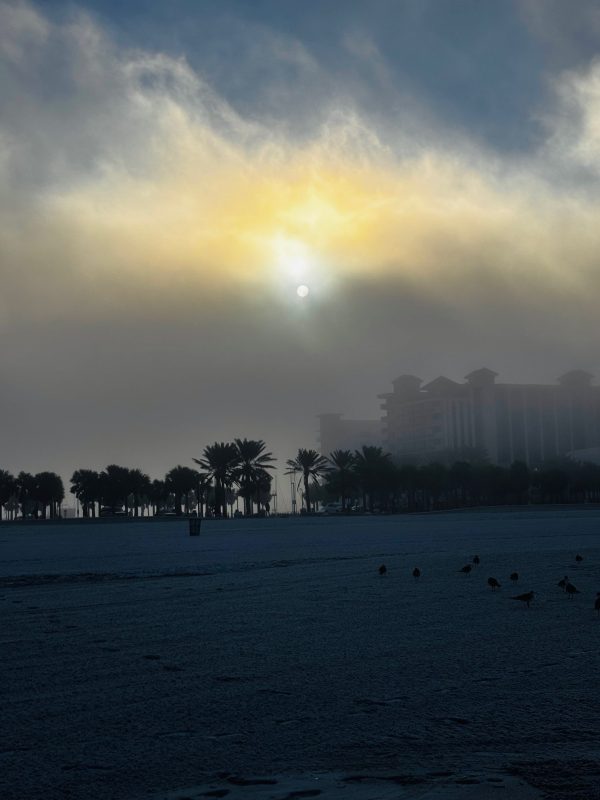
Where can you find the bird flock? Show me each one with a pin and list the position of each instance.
(526, 597)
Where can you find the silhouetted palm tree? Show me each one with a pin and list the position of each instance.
(115, 487)
(220, 461)
(85, 485)
(138, 484)
(343, 462)
(157, 494)
(8, 488)
(263, 490)
(253, 461)
(49, 492)
(26, 486)
(374, 470)
(181, 482)
(312, 465)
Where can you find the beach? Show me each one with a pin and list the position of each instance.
(140, 662)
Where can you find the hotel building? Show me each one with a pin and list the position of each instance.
(503, 421)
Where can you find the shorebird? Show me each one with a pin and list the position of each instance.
(466, 569)
(476, 560)
(571, 590)
(514, 576)
(524, 598)
(416, 572)
(493, 583)
(563, 583)
(382, 569)
(578, 558)
(597, 603)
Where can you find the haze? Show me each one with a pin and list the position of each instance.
(170, 174)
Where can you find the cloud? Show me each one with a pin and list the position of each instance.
(144, 217)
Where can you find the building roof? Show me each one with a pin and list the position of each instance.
(441, 385)
(481, 376)
(576, 376)
(407, 380)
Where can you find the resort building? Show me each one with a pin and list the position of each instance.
(504, 422)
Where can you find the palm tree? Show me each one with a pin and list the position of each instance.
(157, 494)
(312, 465)
(26, 486)
(85, 485)
(343, 462)
(115, 487)
(374, 470)
(138, 484)
(181, 482)
(220, 461)
(8, 487)
(49, 492)
(250, 473)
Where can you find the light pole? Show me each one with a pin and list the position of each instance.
(293, 490)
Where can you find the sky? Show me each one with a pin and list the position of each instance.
(170, 173)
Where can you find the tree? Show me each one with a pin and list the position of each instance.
(263, 490)
(408, 481)
(519, 480)
(114, 487)
(312, 465)
(553, 483)
(220, 461)
(49, 492)
(460, 476)
(433, 479)
(26, 491)
(342, 462)
(85, 485)
(157, 494)
(253, 461)
(374, 470)
(138, 484)
(181, 482)
(8, 488)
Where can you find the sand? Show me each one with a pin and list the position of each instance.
(139, 662)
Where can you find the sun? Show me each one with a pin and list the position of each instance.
(302, 290)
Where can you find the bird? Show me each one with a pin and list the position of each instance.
(571, 590)
(563, 582)
(416, 572)
(578, 558)
(466, 569)
(524, 598)
(382, 569)
(597, 603)
(514, 576)
(476, 560)
(493, 583)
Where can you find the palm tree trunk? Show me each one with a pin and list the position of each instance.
(306, 493)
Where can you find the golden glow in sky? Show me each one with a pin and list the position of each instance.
(163, 188)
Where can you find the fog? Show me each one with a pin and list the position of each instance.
(156, 218)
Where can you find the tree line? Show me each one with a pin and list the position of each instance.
(228, 471)
(362, 480)
(369, 479)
